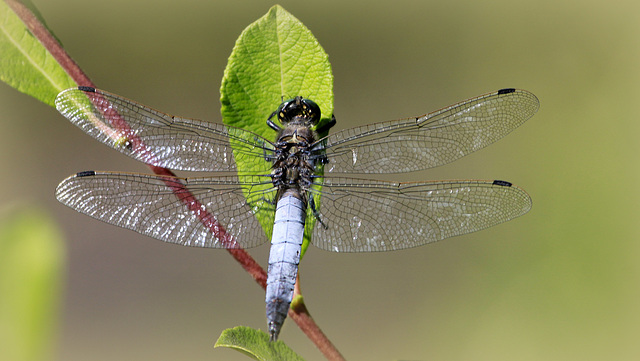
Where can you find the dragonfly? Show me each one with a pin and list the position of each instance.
(347, 214)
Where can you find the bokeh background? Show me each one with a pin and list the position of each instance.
(560, 283)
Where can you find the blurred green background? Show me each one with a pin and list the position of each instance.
(560, 283)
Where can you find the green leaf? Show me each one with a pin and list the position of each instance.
(255, 344)
(31, 274)
(25, 64)
(276, 57)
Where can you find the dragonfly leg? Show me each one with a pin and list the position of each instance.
(273, 125)
(316, 214)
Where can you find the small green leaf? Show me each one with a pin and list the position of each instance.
(255, 344)
(25, 64)
(275, 58)
(31, 273)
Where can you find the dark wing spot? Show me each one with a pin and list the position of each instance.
(506, 91)
(87, 173)
(502, 183)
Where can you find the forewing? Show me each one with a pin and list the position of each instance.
(200, 212)
(369, 215)
(157, 138)
(431, 140)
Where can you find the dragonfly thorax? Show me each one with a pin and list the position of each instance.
(292, 167)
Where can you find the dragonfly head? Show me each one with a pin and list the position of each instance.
(298, 107)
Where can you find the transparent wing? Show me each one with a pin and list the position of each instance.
(434, 139)
(157, 138)
(215, 215)
(369, 215)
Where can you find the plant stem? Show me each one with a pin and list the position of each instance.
(300, 314)
(50, 43)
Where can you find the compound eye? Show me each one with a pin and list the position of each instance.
(284, 111)
(311, 110)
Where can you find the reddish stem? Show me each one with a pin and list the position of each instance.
(50, 43)
(299, 313)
